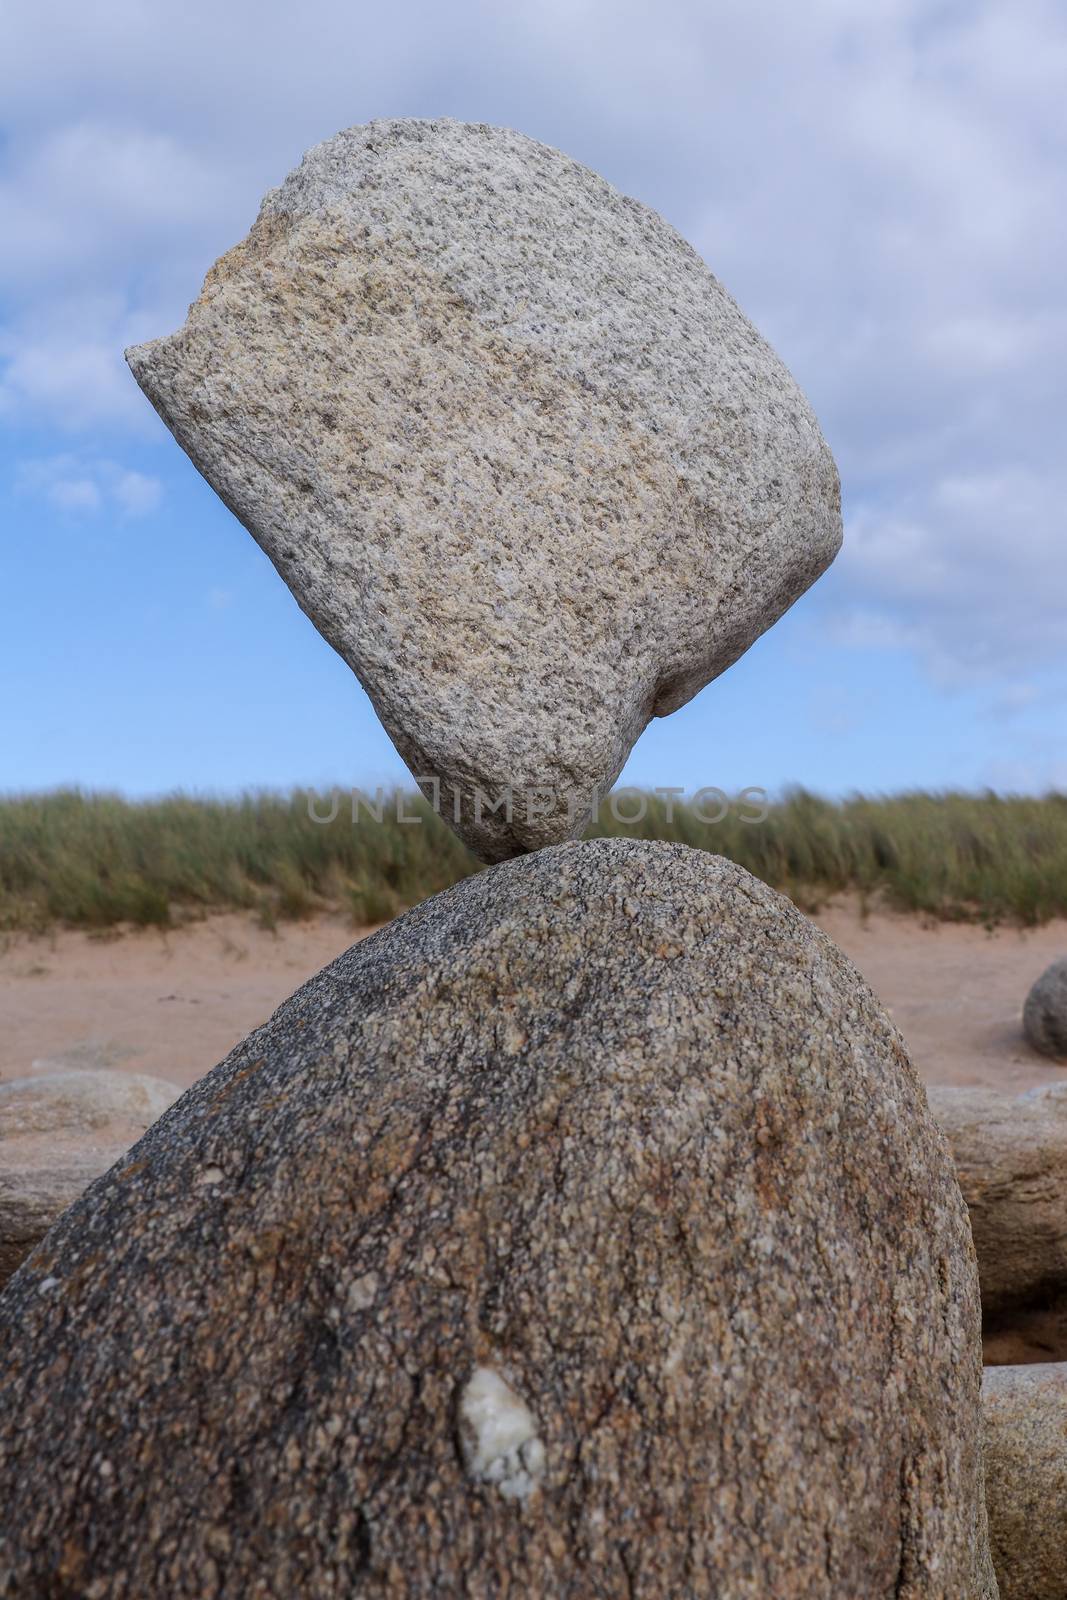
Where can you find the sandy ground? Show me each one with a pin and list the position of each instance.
(173, 1004)
(170, 1004)
(956, 992)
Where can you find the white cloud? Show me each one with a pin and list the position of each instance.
(137, 493)
(84, 193)
(1015, 698)
(883, 187)
(74, 494)
(857, 629)
(70, 385)
(80, 485)
(61, 362)
(969, 569)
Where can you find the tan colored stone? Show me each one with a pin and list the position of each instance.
(58, 1132)
(1011, 1160)
(582, 1233)
(1025, 1412)
(514, 449)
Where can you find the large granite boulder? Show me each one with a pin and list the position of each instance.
(1045, 1012)
(1011, 1160)
(1025, 1412)
(514, 449)
(582, 1233)
(59, 1131)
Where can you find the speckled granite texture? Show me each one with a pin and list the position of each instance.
(1026, 1479)
(583, 1233)
(513, 448)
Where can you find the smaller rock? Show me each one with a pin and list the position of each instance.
(1045, 1012)
(1025, 1427)
(59, 1132)
(1011, 1161)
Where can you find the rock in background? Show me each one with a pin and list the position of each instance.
(58, 1132)
(514, 449)
(1011, 1160)
(582, 1233)
(1025, 1410)
(1045, 1012)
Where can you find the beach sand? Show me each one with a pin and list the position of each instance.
(173, 1003)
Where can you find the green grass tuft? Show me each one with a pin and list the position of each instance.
(97, 860)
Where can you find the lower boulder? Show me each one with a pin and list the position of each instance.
(582, 1233)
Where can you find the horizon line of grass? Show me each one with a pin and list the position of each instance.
(96, 860)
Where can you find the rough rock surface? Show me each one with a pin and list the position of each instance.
(582, 1233)
(514, 449)
(1045, 1012)
(58, 1132)
(1025, 1410)
(1011, 1160)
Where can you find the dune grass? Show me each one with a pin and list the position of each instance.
(96, 860)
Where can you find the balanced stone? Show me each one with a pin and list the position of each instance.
(583, 1232)
(515, 450)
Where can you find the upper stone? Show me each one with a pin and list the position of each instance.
(516, 452)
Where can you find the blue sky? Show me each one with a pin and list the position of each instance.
(882, 187)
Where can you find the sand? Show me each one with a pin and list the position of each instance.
(172, 1004)
(167, 1003)
(956, 992)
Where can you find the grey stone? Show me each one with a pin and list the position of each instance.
(84, 1055)
(582, 1233)
(1045, 1012)
(58, 1132)
(516, 452)
(1011, 1160)
(1025, 1415)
